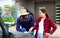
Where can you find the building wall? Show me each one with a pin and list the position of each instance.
(19, 6)
(50, 7)
(57, 18)
(34, 6)
(31, 7)
(57, 2)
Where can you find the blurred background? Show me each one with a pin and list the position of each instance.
(52, 6)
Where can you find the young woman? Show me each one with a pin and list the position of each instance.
(43, 25)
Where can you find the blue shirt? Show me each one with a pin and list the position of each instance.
(6, 15)
(25, 23)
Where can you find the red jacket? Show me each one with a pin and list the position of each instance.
(48, 24)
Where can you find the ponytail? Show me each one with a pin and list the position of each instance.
(47, 15)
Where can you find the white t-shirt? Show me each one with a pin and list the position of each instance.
(41, 27)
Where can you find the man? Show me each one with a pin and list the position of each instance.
(6, 13)
(5, 16)
(26, 21)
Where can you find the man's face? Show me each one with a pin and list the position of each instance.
(23, 16)
(7, 10)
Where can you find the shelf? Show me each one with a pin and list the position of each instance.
(57, 16)
(57, 10)
(57, 19)
(57, 7)
(57, 22)
(57, 13)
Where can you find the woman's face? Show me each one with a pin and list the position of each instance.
(41, 14)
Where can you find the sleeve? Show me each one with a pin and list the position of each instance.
(32, 21)
(36, 24)
(53, 26)
(18, 25)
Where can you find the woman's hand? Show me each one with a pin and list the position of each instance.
(30, 29)
(46, 35)
(34, 32)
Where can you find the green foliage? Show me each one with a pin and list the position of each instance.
(13, 11)
(8, 19)
(6, 6)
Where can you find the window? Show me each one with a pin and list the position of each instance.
(58, 14)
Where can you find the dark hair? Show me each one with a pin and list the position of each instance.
(29, 12)
(44, 11)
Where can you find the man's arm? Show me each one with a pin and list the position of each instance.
(18, 25)
(32, 23)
